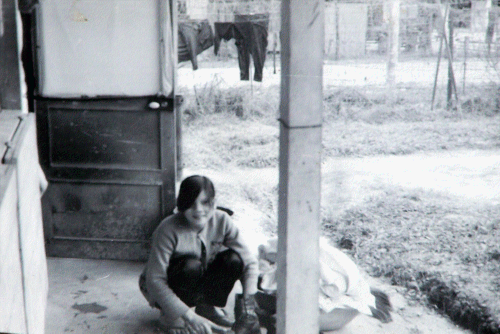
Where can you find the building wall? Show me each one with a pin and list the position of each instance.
(349, 41)
(23, 264)
(197, 9)
(12, 315)
(479, 16)
(363, 26)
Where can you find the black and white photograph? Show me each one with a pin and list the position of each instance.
(249, 166)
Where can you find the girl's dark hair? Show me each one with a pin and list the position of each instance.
(190, 188)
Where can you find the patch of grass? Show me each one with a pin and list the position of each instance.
(228, 140)
(233, 126)
(373, 105)
(264, 198)
(443, 250)
(358, 138)
(215, 98)
(243, 191)
(407, 236)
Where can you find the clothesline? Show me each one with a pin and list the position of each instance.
(276, 12)
(216, 21)
(233, 14)
(199, 20)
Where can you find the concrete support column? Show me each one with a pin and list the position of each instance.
(10, 66)
(302, 48)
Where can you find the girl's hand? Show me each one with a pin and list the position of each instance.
(196, 324)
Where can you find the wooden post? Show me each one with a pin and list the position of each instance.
(466, 46)
(491, 6)
(437, 71)
(250, 74)
(441, 39)
(452, 86)
(449, 91)
(179, 100)
(337, 34)
(302, 47)
(10, 67)
(393, 50)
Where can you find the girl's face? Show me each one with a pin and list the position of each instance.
(200, 212)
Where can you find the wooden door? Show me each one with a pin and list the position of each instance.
(111, 168)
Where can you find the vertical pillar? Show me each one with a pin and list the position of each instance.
(179, 100)
(302, 48)
(449, 91)
(393, 50)
(337, 34)
(10, 70)
(491, 6)
(466, 47)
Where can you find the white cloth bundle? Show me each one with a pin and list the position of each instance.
(341, 283)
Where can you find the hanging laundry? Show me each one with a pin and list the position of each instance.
(195, 36)
(250, 34)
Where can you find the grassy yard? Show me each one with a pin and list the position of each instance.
(444, 250)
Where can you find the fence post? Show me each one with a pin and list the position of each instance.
(452, 84)
(491, 7)
(466, 46)
(179, 100)
(393, 50)
(337, 34)
(449, 91)
(441, 40)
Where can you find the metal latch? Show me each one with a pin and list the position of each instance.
(8, 157)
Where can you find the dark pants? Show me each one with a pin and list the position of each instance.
(250, 33)
(195, 36)
(194, 285)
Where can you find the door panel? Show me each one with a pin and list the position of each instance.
(111, 166)
(105, 211)
(106, 139)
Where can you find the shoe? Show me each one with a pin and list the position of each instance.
(215, 315)
(267, 320)
(266, 311)
(247, 321)
(383, 307)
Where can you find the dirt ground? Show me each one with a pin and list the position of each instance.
(469, 175)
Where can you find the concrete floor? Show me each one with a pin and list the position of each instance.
(103, 297)
(99, 296)
(90, 296)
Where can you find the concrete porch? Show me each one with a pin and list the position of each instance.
(103, 297)
(99, 296)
